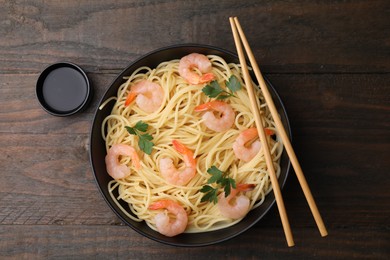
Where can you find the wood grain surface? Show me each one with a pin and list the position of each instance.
(328, 60)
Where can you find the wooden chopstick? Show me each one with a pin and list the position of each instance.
(263, 139)
(281, 130)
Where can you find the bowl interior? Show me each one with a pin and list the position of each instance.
(63, 89)
(98, 152)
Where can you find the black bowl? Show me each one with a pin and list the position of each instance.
(98, 152)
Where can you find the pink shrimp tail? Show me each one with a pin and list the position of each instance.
(202, 107)
(245, 187)
(130, 98)
(160, 204)
(251, 132)
(184, 151)
(269, 131)
(209, 105)
(180, 147)
(206, 78)
(136, 161)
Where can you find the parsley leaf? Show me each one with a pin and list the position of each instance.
(214, 90)
(219, 177)
(228, 183)
(233, 84)
(131, 130)
(144, 141)
(216, 174)
(210, 194)
(141, 126)
(222, 97)
(145, 144)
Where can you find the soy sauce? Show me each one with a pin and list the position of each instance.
(64, 89)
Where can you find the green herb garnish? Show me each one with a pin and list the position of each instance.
(214, 90)
(233, 84)
(222, 180)
(144, 141)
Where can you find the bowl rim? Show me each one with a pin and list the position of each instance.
(103, 98)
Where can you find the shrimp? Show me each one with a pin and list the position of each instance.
(232, 206)
(200, 61)
(148, 96)
(166, 226)
(173, 175)
(114, 168)
(218, 124)
(246, 152)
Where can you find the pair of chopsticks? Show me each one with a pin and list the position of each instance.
(239, 34)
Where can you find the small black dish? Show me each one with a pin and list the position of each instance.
(63, 89)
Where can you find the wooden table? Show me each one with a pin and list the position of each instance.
(329, 61)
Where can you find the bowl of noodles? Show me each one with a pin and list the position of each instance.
(173, 149)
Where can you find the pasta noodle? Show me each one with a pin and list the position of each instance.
(176, 119)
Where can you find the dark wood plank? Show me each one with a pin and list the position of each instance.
(47, 180)
(336, 102)
(317, 36)
(107, 242)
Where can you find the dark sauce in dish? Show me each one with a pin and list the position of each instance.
(64, 89)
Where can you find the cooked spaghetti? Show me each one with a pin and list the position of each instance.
(177, 119)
